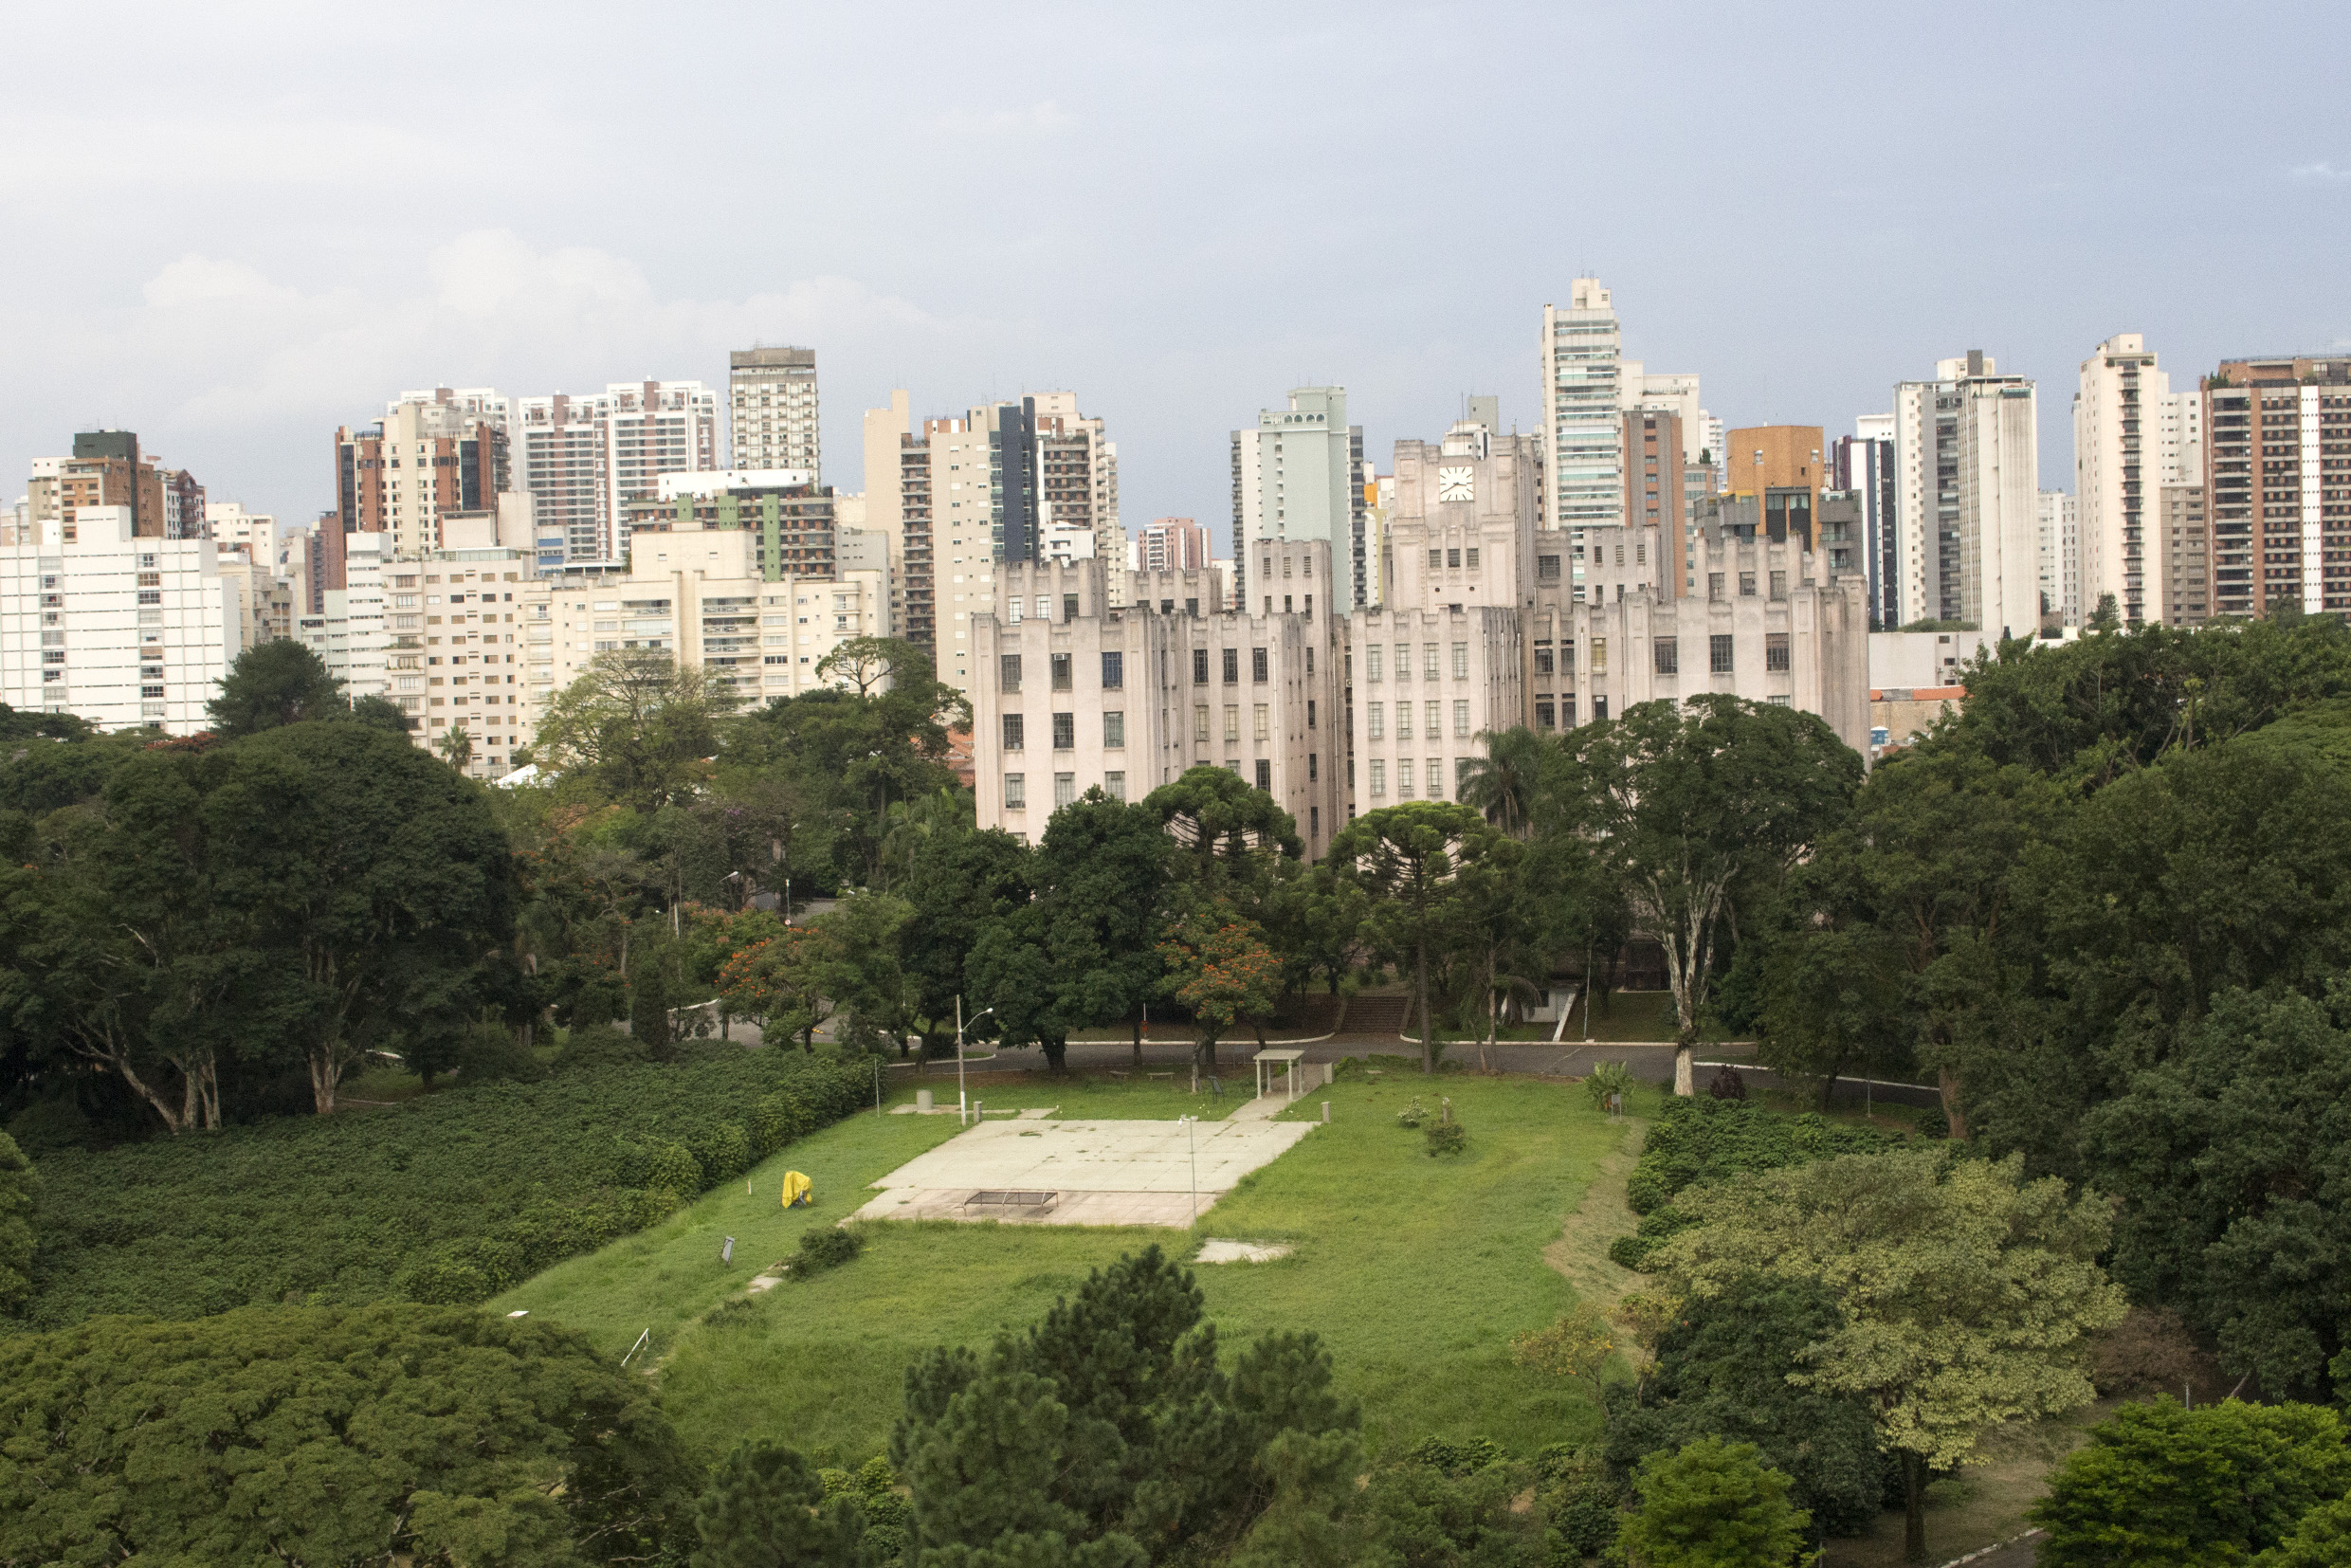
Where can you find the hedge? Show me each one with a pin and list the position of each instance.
(448, 1199)
(1703, 1139)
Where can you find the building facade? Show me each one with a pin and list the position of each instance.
(2277, 483)
(1582, 435)
(1172, 544)
(433, 453)
(1967, 498)
(2061, 559)
(1862, 465)
(124, 629)
(2184, 533)
(582, 458)
(1298, 474)
(2132, 435)
(771, 410)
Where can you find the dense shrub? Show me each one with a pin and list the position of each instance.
(599, 1046)
(1705, 1140)
(824, 1247)
(492, 1053)
(447, 1199)
(1446, 1137)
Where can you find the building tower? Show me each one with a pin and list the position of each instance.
(2132, 436)
(2283, 537)
(771, 410)
(1967, 498)
(1582, 435)
(1298, 475)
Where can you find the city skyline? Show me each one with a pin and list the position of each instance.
(260, 307)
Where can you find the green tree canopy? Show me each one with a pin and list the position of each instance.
(766, 1507)
(331, 1434)
(636, 727)
(2161, 1487)
(19, 1185)
(273, 683)
(1695, 806)
(1231, 838)
(1426, 866)
(1967, 1292)
(1711, 1504)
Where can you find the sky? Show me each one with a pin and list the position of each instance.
(256, 223)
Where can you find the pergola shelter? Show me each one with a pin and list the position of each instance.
(1284, 1062)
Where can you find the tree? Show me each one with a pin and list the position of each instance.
(1230, 837)
(2161, 1487)
(2231, 1159)
(636, 727)
(871, 665)
(1507, 781)
(1100, 875)
(1965, 1292)
(784, 982)
(1711, 1504)
(1692, 806)
(332, 1434)
(19, 1185)
(1221, 971)
(765, 1507)
(272, 683)
(456, 747)
(1722, 1370)
(649, 1004)
(1425, 865)
(971, 882)
(2322, 1539)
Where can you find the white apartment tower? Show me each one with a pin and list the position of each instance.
(2132, 436)
(1967, 499)
(2061, 557)
(1299, 475)
(581, 458)
(1583, 426)
(772, 410)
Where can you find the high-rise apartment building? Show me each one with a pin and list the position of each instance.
(1967, 498)
(433, 453)
(1657, 490)
(1173, 544)
(1862, 466)
(771, 410)
(2132, 435)
(1582, 433)
(123, 629)
(2277, 483)
(790, 518)
(233, 527)
(1780, 465)
(1299, 475)
(2184, 536)
(581, 459)
(2060, 554)
(108, 470)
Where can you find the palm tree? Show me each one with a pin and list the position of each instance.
(1503, 781)
(457, 748)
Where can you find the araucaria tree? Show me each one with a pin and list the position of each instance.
(1694, 808)
(1965, 1292)
(634, 728)
(1428, 865)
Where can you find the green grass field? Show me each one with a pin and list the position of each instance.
(1417, 1272)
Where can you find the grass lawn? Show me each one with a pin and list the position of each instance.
(1417, 1272)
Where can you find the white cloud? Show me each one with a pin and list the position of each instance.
(2319, 173)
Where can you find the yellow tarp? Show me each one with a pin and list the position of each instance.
(799, 1189)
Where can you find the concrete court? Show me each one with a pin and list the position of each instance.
(1100, 1172)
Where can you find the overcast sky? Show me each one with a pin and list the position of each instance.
(234, 227)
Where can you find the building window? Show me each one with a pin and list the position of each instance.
(1065, 731)
(1779, 585)
(1113, 785)
(1461, 774)
(1473, 560)
(1434, 781)
(1428, 661)
(1265, 775)
(1015, 731)
(1009, 664)
(1064, 790)
(1775, 650)
(1260, 722)
(1404, 661)
(1669, 656)
(1547, 569)
(1257, 666)
(1543, 659)
(1452, 557)
(1309, 713)
(1746, 585)
(1437, 561)
(1370, 662)
(1714, 588)
(1404, 778)
(1314, 767)
(1200, 721)
(1114, 672)
(1718, 654)
(1599, 709)
(1015, 791)
(1380, 775)
(1060, 672)
(1567, 712)
(1545, 717)
(1199, 666)
(1114, 730)
(1461, 662)
(1460, 720)
(1233, 720)
(1404, 720)
(1068, 607)
(1599, 656)
(1375, 720)
(151, 691)
(1314, 814)
(1434, 716)
(1232, 665)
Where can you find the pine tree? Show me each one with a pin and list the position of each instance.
(765, 1507)
(648, 1008)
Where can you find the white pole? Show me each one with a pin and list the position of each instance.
(962, 1107)
(1193, 1148)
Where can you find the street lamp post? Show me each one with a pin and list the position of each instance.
(962, 1106)
(1191, 1148)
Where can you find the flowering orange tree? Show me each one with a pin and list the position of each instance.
(1222, 971)
(780, 981)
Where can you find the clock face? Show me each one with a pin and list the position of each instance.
(1455, 485)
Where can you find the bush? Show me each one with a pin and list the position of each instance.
(591, 1046)
(1581, 1499)
(1705, 1140)
(494, 1054)
(450, 1199)
(824, 1247)
(648, 1008)
(1727, 1084)
(1606, 1079)
(1446, 1137)
(1413, 1114)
